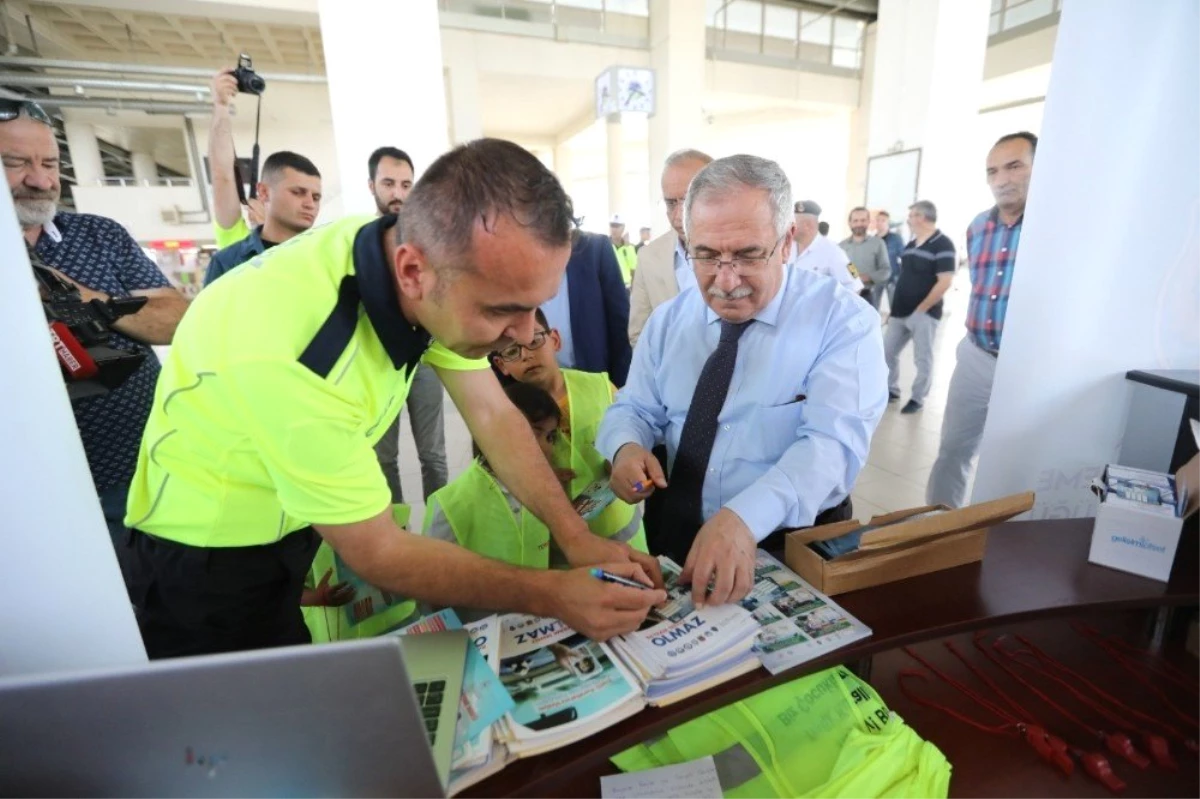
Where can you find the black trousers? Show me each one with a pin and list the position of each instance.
(200, 600)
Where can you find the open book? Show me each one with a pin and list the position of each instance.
(681, 650)
(564, 686)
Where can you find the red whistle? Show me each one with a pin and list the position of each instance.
(1119, 744)
(1099, 769)
(1050, 749)
(1159, 750)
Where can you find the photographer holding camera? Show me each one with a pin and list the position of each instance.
(100, 259)
(289, 191)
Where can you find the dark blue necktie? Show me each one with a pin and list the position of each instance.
(682, 513)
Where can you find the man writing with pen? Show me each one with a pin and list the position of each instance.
(765, 385)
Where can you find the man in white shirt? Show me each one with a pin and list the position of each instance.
(814, 252)
(663, 269)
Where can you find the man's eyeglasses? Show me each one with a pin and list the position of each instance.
(513, 353)
(11, 109)
(741, 265)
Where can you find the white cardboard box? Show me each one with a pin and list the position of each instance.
(1136, 541)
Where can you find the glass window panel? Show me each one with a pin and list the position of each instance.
(781, 22)
(994, 25)
(816, 28)
(744, 16)
(847, 32)
(1027, 12)
(997, 5)
(844, 57)
(634, 8)
(592, 5)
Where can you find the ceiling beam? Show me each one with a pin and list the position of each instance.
(133, 25)
(45, 32)
(272, 12)
(313, 52)
(265, 33)
(116, 44)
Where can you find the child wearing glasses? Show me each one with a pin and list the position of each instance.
(582, 399)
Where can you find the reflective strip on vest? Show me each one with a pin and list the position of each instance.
(828, 734)
(479, 514)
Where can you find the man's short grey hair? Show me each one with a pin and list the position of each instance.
(743, 171)
(686, 156)
(925, 209)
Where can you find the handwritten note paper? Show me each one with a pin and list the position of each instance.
(697, 779)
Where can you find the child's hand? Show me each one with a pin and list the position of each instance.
(635, 474)
(325, 595)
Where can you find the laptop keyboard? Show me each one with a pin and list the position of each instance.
(429, 699)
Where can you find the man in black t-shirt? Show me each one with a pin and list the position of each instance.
(927, 267)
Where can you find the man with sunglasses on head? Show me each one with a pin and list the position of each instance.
(102, 260)
(765, 384)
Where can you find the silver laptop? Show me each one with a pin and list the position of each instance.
(328, 720)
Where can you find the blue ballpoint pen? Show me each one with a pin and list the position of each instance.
(600, 574)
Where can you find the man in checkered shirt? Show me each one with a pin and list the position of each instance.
(992, 241)
(102, 260)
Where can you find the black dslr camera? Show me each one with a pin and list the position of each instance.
(81, 332)
(248, 81)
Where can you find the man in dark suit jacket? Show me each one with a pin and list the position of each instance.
(591, 310)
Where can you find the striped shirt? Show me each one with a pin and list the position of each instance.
(992, 249)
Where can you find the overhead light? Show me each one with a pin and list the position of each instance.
(79, 90)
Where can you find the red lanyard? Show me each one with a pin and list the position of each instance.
(1117, 742)
(1123, 652)
(1135, 670)
(1155, 743)
(1094, 763)
(1047, 747)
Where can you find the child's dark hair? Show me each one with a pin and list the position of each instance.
(534, 403)
(541, 319)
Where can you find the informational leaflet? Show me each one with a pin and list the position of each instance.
(799, 623)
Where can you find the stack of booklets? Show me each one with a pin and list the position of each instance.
(564, 686)
(798, 622)
(1138, 489)
(681, 650)
(533, 684)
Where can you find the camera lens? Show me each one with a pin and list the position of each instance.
(255, 83)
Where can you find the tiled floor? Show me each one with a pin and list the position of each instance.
(902, 452)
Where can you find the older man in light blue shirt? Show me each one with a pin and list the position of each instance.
(765, 383)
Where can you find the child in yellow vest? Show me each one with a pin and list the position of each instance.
(582, 399)
(478, 512)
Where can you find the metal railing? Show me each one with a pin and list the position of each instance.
(630, 18)
(1009, 14)
(131, 181)
(786, 31)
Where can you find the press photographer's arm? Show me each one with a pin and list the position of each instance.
(155, 323)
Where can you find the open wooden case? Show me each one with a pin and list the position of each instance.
(894, 549)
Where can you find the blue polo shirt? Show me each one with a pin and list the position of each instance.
(100, 254)
(236, 255)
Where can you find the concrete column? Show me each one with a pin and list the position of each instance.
(677, 47)
(928, 67)
(381, 93)
(860, 125)
(145, 169)
(462, 78)
(85, 153)
(616, 166)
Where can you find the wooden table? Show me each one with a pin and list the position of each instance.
(1032, 570)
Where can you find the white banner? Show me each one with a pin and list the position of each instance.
(63, 604)
(1108, 274)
